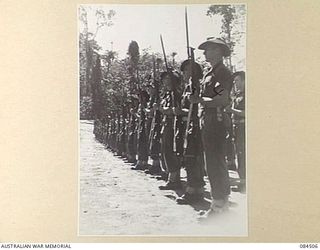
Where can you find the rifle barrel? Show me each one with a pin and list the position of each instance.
(164, 52)
(187, 31)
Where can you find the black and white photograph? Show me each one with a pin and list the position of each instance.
(162, 124)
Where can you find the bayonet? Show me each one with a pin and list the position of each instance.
(164, 53)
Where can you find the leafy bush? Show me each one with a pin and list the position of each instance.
(86, 108)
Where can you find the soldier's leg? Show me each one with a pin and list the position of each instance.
(124, 145)
(230, 152)
(241, 153)
(195, 174)
(213, 138)
(155, 158)
(195, 183)
(131, 148)
(143, 148)
(148, 128)
(117, 144)
(134, 146)
(170, 159)
(120, 144)
(164, 146)
(162, 154)
(195, 170)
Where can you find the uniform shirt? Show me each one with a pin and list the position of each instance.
(153, 100)
(168, 102)
(142, 119)
(185, 103)
(218, 78)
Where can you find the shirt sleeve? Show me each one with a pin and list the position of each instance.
(224, 77)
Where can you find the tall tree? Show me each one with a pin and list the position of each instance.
(233, 24)
(87, 44)
(109, 57)
(97, 91)
(134, 55)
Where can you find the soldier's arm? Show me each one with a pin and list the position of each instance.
(156, 106)
(180, 111)
(237, 112)
(166, 111)
(147, 110)
(184, 112)
(222, 99)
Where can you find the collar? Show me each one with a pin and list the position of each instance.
(214, 68)
(219, 64)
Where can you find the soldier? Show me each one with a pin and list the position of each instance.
(126, 131)
(122, 142)
(237, 109)
(191, 146)
(230, 147)
(148, 108)
(113, 134)
(132, 149)
(142, 141)
(98, 129)
(106, 131)
(95, 127)
(118, 146)
(155, 129)
(214, 96)
(170, 81)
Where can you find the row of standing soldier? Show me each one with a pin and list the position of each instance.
(189, 125)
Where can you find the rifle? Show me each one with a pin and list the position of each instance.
(191, 86)
(172, 96)
(164, 53)
(155, 100)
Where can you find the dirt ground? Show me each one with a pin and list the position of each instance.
(115, 200)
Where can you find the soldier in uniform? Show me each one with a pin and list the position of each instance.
(123, 136)
(118, 146)
(214, 96)
(95, 127)
(230, 147)
(99, 130)
(132, 149)
(148, 108)
(108, 132)
(155, 129)
(237, 109)
(105, 132)
(113, 136)
(142, 141)
(191, 147)
(170, 81)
